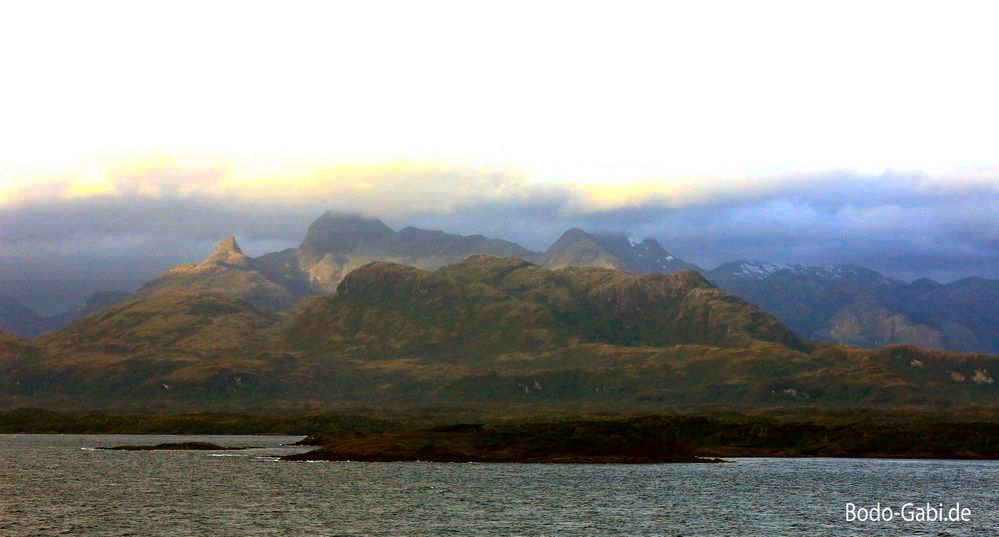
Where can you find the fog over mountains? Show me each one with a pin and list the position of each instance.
(840, 303)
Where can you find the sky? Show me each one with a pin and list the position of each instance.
(135, 135)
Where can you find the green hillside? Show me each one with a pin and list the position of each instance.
(486, 333)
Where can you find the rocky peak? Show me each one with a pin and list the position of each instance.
(227, 251)
(579, 248)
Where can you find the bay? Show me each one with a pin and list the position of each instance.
(61, 485)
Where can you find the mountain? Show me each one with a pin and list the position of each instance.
(839, 303)
(858, 306)
(805, 297)
(98, 301)
(963, 312)
(486, 305)
(577, 248)
(18, 319)
(226, 270)
(170, 349)
(488, 332)
(333, 246)
(189, 323)
(336, 244)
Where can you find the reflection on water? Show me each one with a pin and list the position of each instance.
(55, 484)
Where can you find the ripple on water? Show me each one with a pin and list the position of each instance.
(51, 484)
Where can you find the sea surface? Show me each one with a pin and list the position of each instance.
(60, 485)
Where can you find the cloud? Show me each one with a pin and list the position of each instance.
(60, 241)
(391, 188)
(411, 188)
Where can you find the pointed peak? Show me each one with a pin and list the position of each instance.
(226, 251)
(228, 245)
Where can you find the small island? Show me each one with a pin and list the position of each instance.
(571, 442)
(188, 446)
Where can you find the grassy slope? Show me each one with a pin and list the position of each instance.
(488, 332)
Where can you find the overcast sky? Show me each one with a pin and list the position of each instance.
(135, 135)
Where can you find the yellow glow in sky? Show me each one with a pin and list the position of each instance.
(654, 95)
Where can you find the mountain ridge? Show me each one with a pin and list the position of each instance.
(505, 300)
(578, 248)
(839, 303)
(484, 331)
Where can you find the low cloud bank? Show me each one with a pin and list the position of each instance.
(62, 239)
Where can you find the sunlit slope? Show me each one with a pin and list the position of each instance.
(182, 347)
(487, 305)
(226, 271)
(482, 332)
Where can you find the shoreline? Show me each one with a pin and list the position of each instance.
(539, 437)
(725, 458)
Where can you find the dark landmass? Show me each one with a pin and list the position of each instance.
(573, 442)
(185, 446)
(284, 422)
(666, 439)
(717, 432)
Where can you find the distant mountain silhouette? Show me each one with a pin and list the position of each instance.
(838, 303)
(18, 319)
(577, 248)
(858, 306)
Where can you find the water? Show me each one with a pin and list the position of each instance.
(56, 485)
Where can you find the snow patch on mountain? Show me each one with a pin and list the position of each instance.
(758, 270)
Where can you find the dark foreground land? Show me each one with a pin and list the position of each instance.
(179, 446)
(547, 435)
(573, 442)
(663, 439)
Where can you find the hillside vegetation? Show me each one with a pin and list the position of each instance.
(486, 331)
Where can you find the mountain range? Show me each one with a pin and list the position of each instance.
(858, 306)
(838, 303)
(484, 331)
